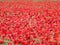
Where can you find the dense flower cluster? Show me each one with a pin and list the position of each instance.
(30, 24)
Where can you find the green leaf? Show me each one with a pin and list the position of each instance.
(19, 44)
(6, 41)
(4, 44)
